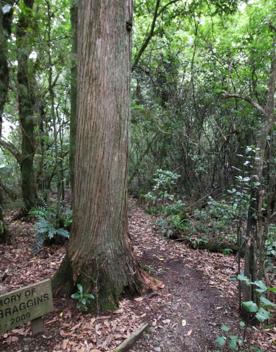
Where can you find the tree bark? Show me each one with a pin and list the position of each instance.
(99, 254)
(26, 100)
(4, 87)
(73, 93)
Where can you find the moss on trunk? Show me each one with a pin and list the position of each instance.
(26, 101)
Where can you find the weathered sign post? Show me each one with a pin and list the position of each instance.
(29, 303)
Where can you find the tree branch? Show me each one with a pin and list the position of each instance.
(129, 342)
(157, 13)
(148, 37)
(254, 103)
(11, 149)
(165, 7)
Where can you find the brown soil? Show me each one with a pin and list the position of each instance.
(185, 315)
(192, 311)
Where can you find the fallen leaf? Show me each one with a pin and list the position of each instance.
(189, 333)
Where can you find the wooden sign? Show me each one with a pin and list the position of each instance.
(25, 304)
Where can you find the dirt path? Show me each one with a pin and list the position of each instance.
(192, 311)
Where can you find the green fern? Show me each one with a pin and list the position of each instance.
(45, 227)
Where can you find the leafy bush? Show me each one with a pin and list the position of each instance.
(170, 226)
(215, 224)
(163, 201)
(163, 188)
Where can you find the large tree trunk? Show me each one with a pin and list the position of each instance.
(99, 255)
(25, 80)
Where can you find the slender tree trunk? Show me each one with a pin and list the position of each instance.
(99, 255)
(41, 174)
(26, 100)
(53, 111)
(4, 86)
(257, 225)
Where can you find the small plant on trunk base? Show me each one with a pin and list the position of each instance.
(83, 298)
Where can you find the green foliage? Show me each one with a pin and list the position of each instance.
(45, 230)
(83, 298)
(40, 212)
(218, 217)
(250, 307)
(219, 214)
(198, 242)
(46, 226)
(67, 218)
(162, 200)
(270, 247)
(164, 182)
(172, 225)
(229, 341)
(260, 310)
(227, 251)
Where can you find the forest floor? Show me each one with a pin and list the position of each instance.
(194, 298)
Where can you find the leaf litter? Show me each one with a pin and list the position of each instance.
(190, 298)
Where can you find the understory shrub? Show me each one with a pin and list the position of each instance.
(162, 199)
(260, 312)
(217, 221)
(164, 202)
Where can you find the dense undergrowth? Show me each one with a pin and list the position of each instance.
(216, 224)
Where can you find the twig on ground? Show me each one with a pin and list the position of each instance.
(129, 342)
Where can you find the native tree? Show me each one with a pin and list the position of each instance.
(99, 255)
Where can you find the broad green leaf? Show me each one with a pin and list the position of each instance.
(243, 278)
(266, 302)
(83, 301)
(242, 324)
(250, 306)
(225, 328)
(80, 288)
(261, 286)
(220, 341)
(233, 343)
(75, 295)
(89, 296)
(262, 315)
